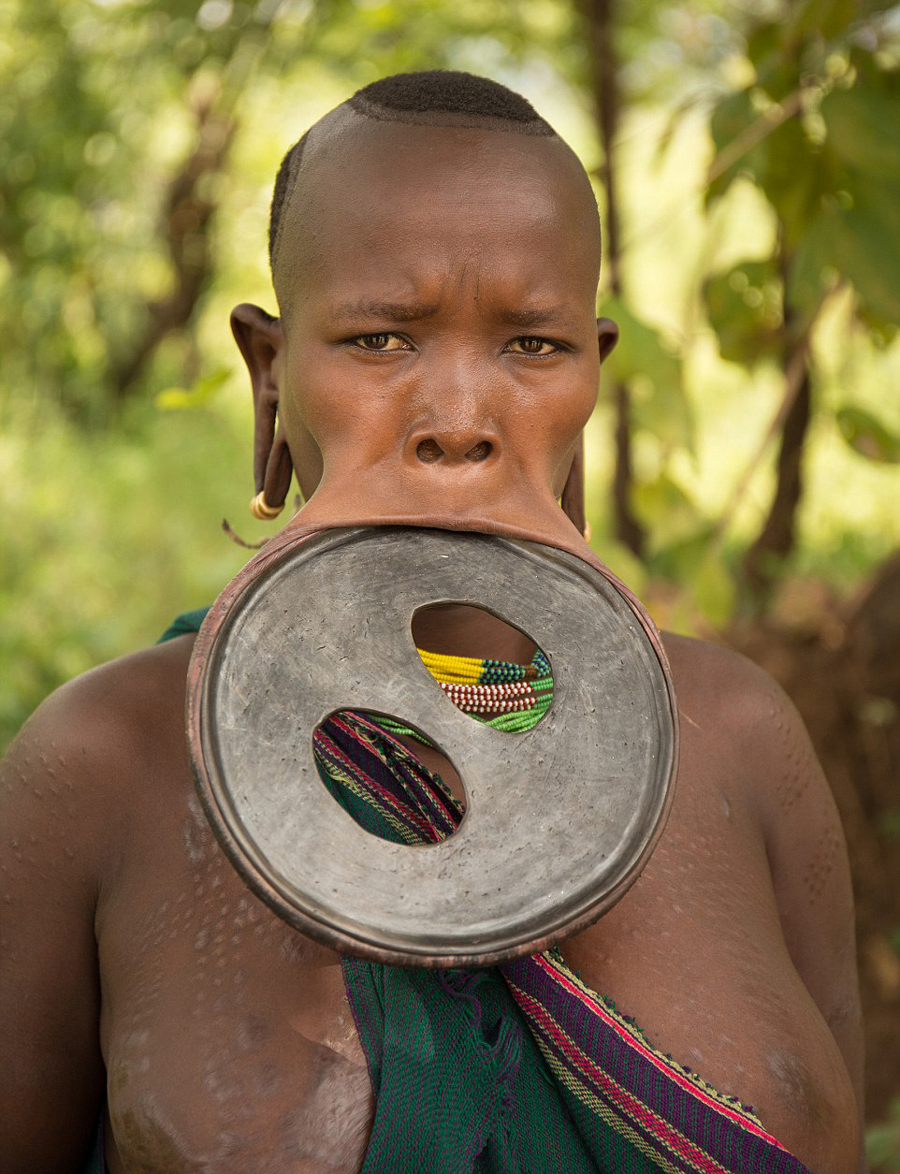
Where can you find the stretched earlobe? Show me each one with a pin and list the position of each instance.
(607, 336)
(278, 471)
(260, 339)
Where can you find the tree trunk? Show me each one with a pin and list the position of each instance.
(763, 561)
(599, 21)
(189, 211)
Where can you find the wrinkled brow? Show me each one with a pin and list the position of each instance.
(538, 316)
(383, 311)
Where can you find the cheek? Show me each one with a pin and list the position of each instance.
(333, 414)
(317, 394)
(569, 409)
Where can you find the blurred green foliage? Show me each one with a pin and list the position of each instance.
(758, 168)
(883, 1144)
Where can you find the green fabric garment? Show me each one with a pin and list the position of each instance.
(459, 1084)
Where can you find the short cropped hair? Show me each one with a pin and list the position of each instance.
(417, 98)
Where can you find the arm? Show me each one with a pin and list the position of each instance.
(810, 871)
(51, 1075)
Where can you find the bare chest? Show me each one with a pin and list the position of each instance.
(228, 1038)
(230, 1045)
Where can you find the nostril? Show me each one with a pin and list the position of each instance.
(429, 451)
(480, 451)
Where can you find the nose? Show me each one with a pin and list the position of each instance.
(453, 449)
(455, 403)
(466, 436)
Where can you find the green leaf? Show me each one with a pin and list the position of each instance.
(824, 18)
(731, 118)
(868, 436)
(778, 75)
(867, 248)
(814, 266)
(713, 587)
(860, 244)
(662, 409)
(794, 176)
(693, 561)
(862, 127)
(178, 399)
(671, 517)
(745, 309)
(764, 42)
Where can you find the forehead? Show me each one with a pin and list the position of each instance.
(381, 200)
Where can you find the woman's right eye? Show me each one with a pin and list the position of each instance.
(380, 343)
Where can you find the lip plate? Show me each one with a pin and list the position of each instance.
(560, 820)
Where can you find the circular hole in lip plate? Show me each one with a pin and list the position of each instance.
(509, 709)
(336, 736)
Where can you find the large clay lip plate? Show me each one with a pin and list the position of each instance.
(573, 807)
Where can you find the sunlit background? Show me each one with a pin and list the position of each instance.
(749, 421)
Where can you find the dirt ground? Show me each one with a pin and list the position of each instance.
(840, 663)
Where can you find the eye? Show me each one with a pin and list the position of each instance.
(529, 345)
(380, 343)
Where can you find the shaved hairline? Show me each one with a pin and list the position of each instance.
(339, 121)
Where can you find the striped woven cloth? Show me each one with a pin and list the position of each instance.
(517, 1068)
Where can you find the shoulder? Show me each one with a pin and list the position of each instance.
(736, 712)
(119, 708)
(706, 673)
(84, 749)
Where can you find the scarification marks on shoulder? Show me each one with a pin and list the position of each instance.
(821, 865)
(40, 770)
(794, 776)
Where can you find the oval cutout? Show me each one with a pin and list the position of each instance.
(396, 788)
(491, 670)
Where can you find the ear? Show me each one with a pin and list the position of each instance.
(260, 340)
(607, 336)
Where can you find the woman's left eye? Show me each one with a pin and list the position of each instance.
(527, 345)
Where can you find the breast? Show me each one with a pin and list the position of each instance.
(228, 1037)
(695, 954)
(211, 1109)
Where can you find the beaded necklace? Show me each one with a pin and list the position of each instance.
(499, 693)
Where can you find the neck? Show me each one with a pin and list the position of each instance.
(456, 629)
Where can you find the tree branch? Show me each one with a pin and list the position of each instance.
(599, 21)
(189, 210)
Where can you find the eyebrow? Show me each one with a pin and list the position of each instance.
(418, 311)
(535, 317)
(384, 311)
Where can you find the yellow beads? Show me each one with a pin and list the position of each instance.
(452, 670)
